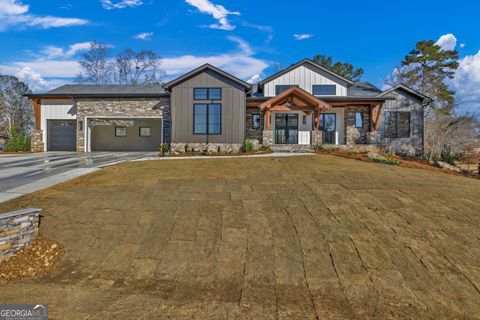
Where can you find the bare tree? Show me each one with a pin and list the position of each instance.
(15, 109)
(96, 67)
(138, 67)
(451, 134)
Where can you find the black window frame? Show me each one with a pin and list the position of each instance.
(286, 86)
(394, 117)
(334, 86)
(361, 119)
(207, 126)
(259, 121)
(208, 97)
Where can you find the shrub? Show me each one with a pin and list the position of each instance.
(248, 145)
(447, 157)
(19, 141)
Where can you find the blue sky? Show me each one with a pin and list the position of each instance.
(41, 40)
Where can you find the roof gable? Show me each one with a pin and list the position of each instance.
(301, 63)
(407, 89)
(203, 68)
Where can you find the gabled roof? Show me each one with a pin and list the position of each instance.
(410, 90)
(104, 90)
(300, 63)
(363, 89)
(201, 69)
(297, 92)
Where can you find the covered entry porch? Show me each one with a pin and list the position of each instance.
(293, 118)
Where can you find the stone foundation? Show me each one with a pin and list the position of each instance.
(317, 138)
(37, 144)
(17, 230)
(205, 147)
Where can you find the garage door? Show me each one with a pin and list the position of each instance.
(62, 135)
(126, 134)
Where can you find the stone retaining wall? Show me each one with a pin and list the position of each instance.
(17, 230)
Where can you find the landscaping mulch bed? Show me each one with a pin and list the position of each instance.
(216, 154)
(39, 258)
(405, 162)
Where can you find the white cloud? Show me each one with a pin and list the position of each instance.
(217, 11)
(254, 79)
(32, 78)
(56, 52)
(302, 36)
(240, 63)
(13, 13)
(462, 45)
(447, 42)
(466, 83)
(143, 36)
(109, 5)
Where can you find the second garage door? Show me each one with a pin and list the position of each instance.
(126, 135)
(62, 135)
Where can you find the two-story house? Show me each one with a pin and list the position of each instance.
(296, 109)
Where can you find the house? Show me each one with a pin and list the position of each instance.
(298, 108)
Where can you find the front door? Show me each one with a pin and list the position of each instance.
(328, 124)
(286, 128)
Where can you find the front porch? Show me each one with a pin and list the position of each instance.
(296, 120)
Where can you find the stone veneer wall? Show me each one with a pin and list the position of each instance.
(256, 135)
(17, 230)
(205, 147)
(267, 138)
(146, 107)
(37, 144)
(355, 135)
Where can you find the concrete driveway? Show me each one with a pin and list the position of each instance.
(25, 173)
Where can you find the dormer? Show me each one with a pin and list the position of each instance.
(309, 76)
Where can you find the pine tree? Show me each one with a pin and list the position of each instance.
(426, 68)
(344, 69)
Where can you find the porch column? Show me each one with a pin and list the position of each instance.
(267, 119)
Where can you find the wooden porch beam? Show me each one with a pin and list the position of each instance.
(267, 119)
(37, 105)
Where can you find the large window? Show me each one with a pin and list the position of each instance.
(207, 118)
(324, 89)
(279, 88)
(358, 119)
(207, 94)
(397, 124)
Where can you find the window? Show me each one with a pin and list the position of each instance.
(397, 124)
(207, 94)
(324, 89)
(256, 121)
(120, 131)
(279, 88)
(207, 118)
(358, 119)
(144, 132)
(304, 119)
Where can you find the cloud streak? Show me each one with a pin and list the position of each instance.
(109, 4)
(13, 13)
(143, 36)
(217, 11)
(302, 36)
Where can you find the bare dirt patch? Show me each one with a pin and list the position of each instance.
(317, 237)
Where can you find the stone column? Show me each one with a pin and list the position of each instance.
(267, 138)
(373, 138)
(317, 138)
(36, 141)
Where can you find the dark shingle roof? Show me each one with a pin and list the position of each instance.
(363, 89)
(93, 90)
